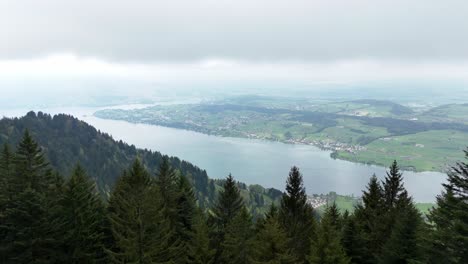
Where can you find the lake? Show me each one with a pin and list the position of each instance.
(252, 161)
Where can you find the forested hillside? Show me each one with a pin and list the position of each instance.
(67, 141)
(45, 218)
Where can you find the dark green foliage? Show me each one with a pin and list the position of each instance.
(46, 219)
(29, 234)
(167, 181)
(186, 210)
(333, 215)
(296, 215)
(369, 225)
(388, 223)
(84, 215)
(28, 228)
(141, 231)
(394, 192)
(6, 175)
(449, 241)
(31, 168)
(442, 244)
(404, 246)
(373, 197)
(199, 251)
(5, 196)
(353, 241)
(178, 205)
(397, 203)
(327, 248)
(237, 243)
(228, 205)
(271, 242)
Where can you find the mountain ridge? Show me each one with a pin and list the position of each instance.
(68, 141)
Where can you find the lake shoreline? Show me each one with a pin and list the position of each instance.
(332, 150)
(253, 161)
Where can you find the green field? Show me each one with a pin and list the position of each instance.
(343, 203)
(447, 113)
(348, 203)
(429, 151)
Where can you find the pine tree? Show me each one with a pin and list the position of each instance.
(199, 249)
(396, 200)
(353, 241)
(369, 217)
(186, 212)
(237, 242)
(27, 223)
(334, 217)
(6, 176)
(30, 233)
(296, 215)
(6, 193)
(5, 197)
(273, 212)
(228, 205)
(271, 242)
(84, 215)
(168, 182)
(441, 242)
(178, 206)
(229, 202)
(450, 218)
(404, 245)
(327, 248)
(141, 232)
(394, 192)
(373, 197)
(32, 169)
(56, 217)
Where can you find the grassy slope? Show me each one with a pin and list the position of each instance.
(347, 203)
(447, 113)
(425, 151)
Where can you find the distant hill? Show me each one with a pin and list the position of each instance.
(453, 113)
(394, 108)
(68, 141)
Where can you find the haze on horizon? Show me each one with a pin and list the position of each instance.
(142, 48)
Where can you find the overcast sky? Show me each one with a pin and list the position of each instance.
(198, 40)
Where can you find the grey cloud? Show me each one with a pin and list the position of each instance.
(176, 30)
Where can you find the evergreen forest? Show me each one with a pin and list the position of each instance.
(155, 209)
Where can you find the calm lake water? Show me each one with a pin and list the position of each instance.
(252, 161)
